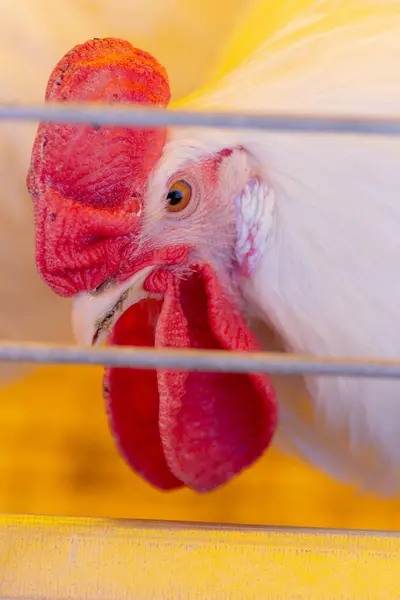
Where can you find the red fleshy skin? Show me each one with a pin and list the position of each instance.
(209, 426)
(82, 177)
(133, 400)
(80, 246)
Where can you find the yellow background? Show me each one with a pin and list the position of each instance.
(57, 455)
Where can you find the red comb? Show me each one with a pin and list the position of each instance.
(87, 182)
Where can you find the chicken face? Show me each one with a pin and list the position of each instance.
(148, 252)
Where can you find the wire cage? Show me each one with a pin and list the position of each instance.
(57, 558)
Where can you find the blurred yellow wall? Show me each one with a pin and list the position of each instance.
(58, 457)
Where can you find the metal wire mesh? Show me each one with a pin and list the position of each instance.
(200, 360)
(124, 116)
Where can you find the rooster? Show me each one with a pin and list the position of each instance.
(34, 35)
(236, 240)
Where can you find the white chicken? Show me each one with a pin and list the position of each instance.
(298, 233)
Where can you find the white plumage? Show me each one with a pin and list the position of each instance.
(328, 282)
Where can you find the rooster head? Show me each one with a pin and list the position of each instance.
(147, 259)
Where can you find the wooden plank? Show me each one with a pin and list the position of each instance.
(69, 558)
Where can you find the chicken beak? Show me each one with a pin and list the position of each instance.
(95, 314)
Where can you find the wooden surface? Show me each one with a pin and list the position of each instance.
(98, 559)
(57, 456)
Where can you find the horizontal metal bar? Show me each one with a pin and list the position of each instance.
(200, 360)
(134, 116)
(97, 559)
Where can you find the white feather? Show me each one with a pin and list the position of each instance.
(329, 281)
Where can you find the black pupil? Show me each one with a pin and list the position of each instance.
(174, 197)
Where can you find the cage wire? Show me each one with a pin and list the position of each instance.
(200, 360)
(102, 114)
(287, 563)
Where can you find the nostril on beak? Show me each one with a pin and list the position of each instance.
(103, 286)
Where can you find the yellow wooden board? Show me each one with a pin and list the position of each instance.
(98, 559)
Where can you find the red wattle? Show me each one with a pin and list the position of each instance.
(133, 402)
(210, 426)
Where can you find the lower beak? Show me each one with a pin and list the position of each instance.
(94, 315)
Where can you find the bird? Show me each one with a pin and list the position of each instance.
(236, 240)
(34, 37)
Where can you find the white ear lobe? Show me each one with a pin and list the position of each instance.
(255, 214)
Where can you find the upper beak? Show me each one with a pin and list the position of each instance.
(94, 315)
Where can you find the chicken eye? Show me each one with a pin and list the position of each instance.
(179, 196)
